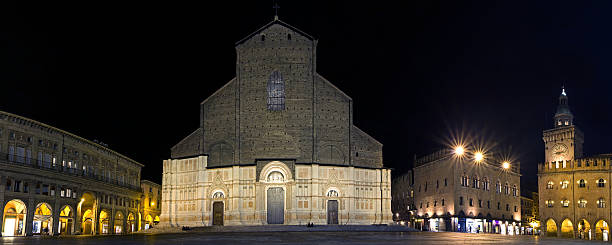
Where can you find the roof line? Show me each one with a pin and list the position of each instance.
(276, 21)
(71, 135)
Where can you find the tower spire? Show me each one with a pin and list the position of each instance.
(563, 91)
(563, 116)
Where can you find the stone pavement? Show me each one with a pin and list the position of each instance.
(273, 237)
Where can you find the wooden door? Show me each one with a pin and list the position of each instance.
(218, 213)
(332, 212)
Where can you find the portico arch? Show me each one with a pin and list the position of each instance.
(131, 224)
(104, 222)
(148, 222)
(567, 228)
(118, 222)
(43, 219)
(551, 228)
(87, 222)
(602, 231)
(583, 229)
(86, 210)
(65, 220)
(14, 218)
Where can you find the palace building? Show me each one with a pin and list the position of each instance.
(276, 145)
(54, 182)
(457, 192)
(574, 190)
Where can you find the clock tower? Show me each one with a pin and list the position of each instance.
(563, 143)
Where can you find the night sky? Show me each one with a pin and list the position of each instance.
(133, 74)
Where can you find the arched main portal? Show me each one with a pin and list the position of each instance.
(584, 229)
(131, 224)
(43, 219)
(65, 220)
(118, 222)
(275, 175)
(332, 207)
(104, 222)
(14, 218)
(567, 229)
(551, 228)
(86, 212)
(602, 230)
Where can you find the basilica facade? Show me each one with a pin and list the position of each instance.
(276, 145)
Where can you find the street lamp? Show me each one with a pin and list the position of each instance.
(506, 165)
(459, 150)
(478, 156)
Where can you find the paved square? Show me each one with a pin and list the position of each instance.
(252, 238)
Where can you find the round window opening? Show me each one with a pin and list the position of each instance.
(276, 177)
(218, 194)
(332, 193)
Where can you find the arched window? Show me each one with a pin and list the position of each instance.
(564, 184)
(582, 203)
(601, 203)
(475, 182)
(276, 92)
(550, 185)
(550, 203)
(514, 191)
(565, 203)
(581, 183)
(498, 187)
(601, 183)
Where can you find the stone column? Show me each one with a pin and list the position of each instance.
(75, 217)
(2, 210)
(31, 206)
(2, 187)
(95, 209)
(56, 211)
(111, 221)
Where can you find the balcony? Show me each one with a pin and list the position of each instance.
(17, 160)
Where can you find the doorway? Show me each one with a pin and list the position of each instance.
(276, 205)
(217, 213)
(332, 212)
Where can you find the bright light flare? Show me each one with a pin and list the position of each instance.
(506, 165)
(459, 150)
(478, 156)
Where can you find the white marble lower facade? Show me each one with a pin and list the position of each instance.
(193, 195)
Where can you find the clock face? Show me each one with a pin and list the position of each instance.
(559, 150)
